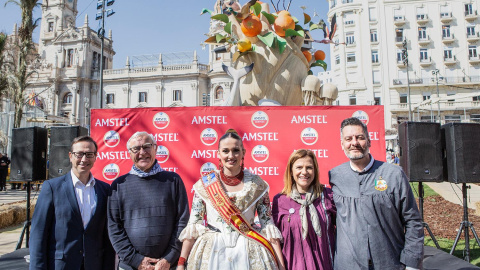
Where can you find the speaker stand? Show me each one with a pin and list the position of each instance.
(464, 226)
(425, 225)
(26, 225)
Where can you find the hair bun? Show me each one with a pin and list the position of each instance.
(231, 130)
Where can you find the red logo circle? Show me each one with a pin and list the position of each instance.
(309, 136)
(161, 120)
(259, 119)
(209, 136)
(111, 171)
(162, 154)
(111, 138)
(260, 153)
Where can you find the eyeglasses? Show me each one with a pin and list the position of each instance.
(145, 147)
(87, 154)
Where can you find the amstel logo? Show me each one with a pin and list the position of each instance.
(111, 171)
(162, 154)
(260, 153)
(209, 136)
(207, 168)
(259, 119)
(363, 116)
(111, 138)
(161, 120)
(309, 136)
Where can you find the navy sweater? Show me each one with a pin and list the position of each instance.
(146, 216)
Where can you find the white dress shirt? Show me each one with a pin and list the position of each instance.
(86, 197)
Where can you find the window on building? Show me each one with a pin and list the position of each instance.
(352, 99)
(348, 18)
(452, 99)
(422, 33)
(372, 13)
(95, 61)
(472, 51)
(105, 62)
(426, 95)
(219, 93)
(403, 98)
(375, 56)
(351, 58)
(142, 96)
(110, 98)
(399, 34)
(446, 31)
(423, 55)
(70, 58)
(337, 59)
(50, 26)
(401, 119)
(475, 118)
(218, 56)
(399, 15)
(67, 99)
(333, 3)
(453, 119)
(350, 38)
(470, 31)
(421, 13)
(468, 9)
(347, 1)
(376, 76)
(476, 98)
(445, 12)
(447, 53)
(399, 56)
(428, 118)
(373, 35)
(177, 95)
(377, 101)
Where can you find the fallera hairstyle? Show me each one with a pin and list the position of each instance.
(83, 139)
(141, 134)
(288, 180)
(231, 133)
(353, 121)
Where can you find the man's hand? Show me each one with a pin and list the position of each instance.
(162, 265)
(148, 264)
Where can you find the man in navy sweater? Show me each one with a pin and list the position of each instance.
(147, 210)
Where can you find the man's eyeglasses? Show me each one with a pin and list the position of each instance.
(146, 147)
(81, 154)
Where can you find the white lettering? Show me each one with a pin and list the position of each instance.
(260, 136)
(309, 119)
(264, 170)
(204, 154)
(166, 137)
(113, 155)
(170, 169)
(374, 136)
(112, 122)
(211, 119)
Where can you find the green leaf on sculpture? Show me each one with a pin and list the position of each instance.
(220, 17)
(268, 39)
(310, 72)
(306, 18)
(314, 26)
(295, 19)
(270, 17)
(228, 28)
(291, 33)
(320, 63)
(211, 39)
(219, 38)
(300, 30)
(257, 9)
(205, 10)
(282, 44)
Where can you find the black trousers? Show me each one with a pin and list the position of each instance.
(3, 178)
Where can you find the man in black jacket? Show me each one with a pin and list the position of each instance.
(147, 210)
(4, 162)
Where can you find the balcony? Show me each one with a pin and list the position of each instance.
(422, 18)
(473, 37)
(471, 16)
(399, 41)
(425, 62)
(474, 59)
(399, 20)
(430, 81)
(448, 39)
(400, 64)
(404, 81)
(446, 17)
(450, 61)
(424, 41)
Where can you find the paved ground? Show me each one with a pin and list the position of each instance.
(453, 193)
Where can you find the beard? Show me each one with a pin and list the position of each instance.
(356, 156)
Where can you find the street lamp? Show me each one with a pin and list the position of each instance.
(435, 72)
(405, 62)
(101, 34)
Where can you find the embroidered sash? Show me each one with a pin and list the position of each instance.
(230, 213)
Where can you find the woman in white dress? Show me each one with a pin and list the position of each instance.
(220, 233)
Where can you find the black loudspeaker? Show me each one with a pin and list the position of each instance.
(29, 154)
(60, 140)
(421, 152)
(463, 152)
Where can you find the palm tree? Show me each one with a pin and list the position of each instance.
(3, 76)
(25, 49)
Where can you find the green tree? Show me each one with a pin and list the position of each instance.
(19, 81)
(3, 75)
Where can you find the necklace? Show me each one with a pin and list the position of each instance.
(231, 180)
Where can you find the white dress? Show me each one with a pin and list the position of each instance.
(218, 246)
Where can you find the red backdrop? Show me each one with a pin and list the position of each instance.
(188, 137)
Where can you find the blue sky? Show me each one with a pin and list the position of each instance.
(158, 26)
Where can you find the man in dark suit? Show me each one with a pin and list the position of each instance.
(69, 224)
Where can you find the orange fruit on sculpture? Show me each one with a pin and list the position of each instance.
(251, 26)
(308, 55)
(319, 55)
(283, 22)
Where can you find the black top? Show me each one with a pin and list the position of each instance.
(4, 162)
(146, 217)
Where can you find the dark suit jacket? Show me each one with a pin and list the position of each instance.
(58, 239)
